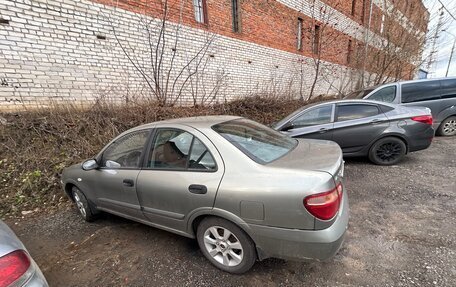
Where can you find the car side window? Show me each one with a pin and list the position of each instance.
(126, 151)
(179, 150)
(200, 157)
(420, 91)
(387, 95)
(448, 88)
(358, 111)
(316, 116)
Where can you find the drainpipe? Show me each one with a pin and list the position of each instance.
(366, 41)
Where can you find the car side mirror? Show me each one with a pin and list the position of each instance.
(89, 164)
(287, 127)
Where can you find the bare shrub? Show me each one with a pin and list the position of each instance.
(36, 145)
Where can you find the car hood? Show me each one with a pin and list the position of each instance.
(315, 155)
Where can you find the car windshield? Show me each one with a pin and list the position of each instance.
(260, 143)
(358, 94)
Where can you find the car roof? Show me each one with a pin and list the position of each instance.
(196, 122)
(409, 81)
(346, 101)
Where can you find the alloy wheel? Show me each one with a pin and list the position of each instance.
(449, 128)
(79, 204)
(388, 152)
(223, 246)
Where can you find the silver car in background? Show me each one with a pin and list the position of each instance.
(243, 190)
(17, 267)
(381, 131)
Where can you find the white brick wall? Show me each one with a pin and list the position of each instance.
(50, 52)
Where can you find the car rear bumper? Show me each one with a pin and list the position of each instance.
(295, 244)
(37, 279)
(421, 141)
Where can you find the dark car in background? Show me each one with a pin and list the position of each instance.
(437, 94)
(383, 132)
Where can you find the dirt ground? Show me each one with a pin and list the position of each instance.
(402, 233)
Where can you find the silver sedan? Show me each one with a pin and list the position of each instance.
(243, 190)
(17, 268)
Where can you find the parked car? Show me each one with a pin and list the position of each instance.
(383, 132)
(17, 267)
(437, 94)
(243, 190)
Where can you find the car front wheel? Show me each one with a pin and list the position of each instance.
(387, 151)
(225, 245)
(447, 127)
(82, 204)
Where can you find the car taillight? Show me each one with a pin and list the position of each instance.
(423, 119)
(324, 205)
(13, 266)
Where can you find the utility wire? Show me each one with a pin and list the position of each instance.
(444, 7)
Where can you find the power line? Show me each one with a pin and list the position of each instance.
(444, 7)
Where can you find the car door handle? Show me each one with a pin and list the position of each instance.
(376, 121)
(197, 189)
(323, 130)
(128, 182)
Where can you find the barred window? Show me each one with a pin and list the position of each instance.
(200, 11)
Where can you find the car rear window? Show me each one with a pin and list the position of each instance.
(355, 111)
(260, 143)
(420, 91)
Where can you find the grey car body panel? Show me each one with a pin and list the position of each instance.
(440, 108)
(9, 243)
(303, 244)
(357, 136)
(240, 190)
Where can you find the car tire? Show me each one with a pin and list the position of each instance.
(447, 127)
(82, 204)
(229, 249)
(387, 151)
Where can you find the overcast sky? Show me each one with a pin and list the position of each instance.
(445, 41)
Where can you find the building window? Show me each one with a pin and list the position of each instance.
(353, 7)
(236, 15)
(200, 11)
(316, 40)
(349, 52)
(299, 39)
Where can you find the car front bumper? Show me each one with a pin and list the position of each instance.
(302, 245)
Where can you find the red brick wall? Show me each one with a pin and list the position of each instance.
(266, 22)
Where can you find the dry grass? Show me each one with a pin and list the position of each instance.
(37, 145)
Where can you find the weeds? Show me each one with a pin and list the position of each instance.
(37, 145)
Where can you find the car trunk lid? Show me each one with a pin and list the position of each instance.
(315, 155)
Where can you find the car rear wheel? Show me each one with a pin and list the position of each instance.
(387, 151)
(225, 245)
(82, 205)
(447, 127)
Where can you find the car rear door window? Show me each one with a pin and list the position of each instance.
(356, 111)
(126, 151)
(179, 150)
(386, 94)
(260, 143)
(315, 116)
(420, 91)
(448, 88)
